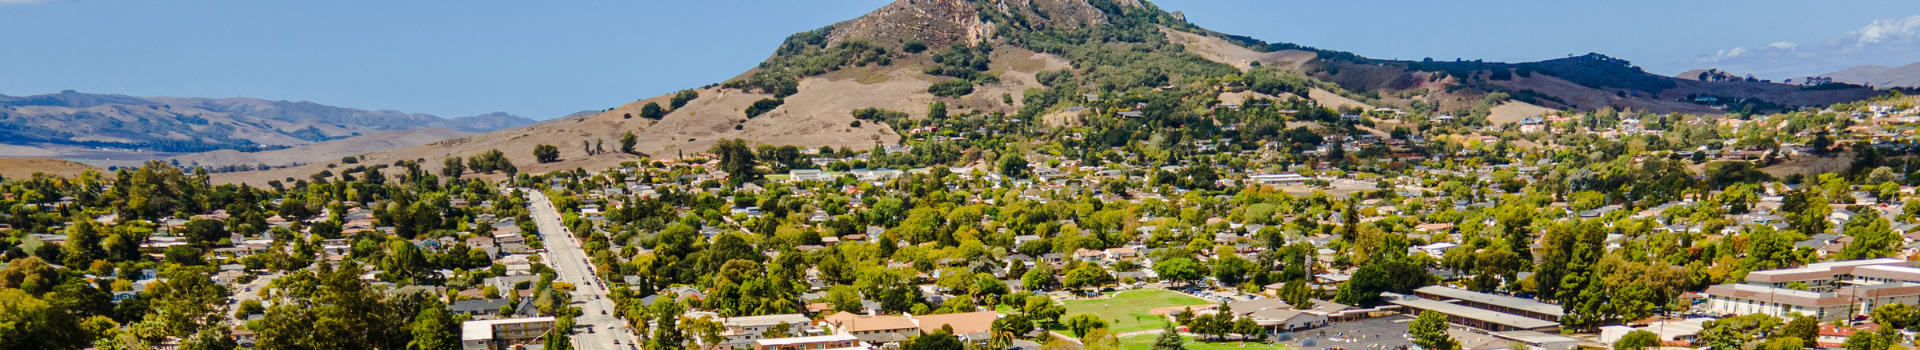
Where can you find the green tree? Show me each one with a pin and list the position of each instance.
(434, 329)
(1013, 165)
(1177, 269)
(1080, 324)
(1782, 343)
(1038, 279)
(1807, 211)
(204, 231)
(951, 88)
(184, 300)
(1872, 237)
(1298, 292)
(1430, 331)
(1806, 329)
(1099, 339)
(1736, 332)
(546, 153)
(1247, 327)
(1016, 324)
(736, 158)
(652, 111)
(1894, 316)
(210, 338)
(1369, 281)
(942, 339)
(627, 140)
(681, 98)
(1042, 309)
(452, 168)
(763, 106)
(30, 323)
(403, 262)
(30, 274)
(1637, 340)
(1864, 340)
(1169, 339)
(1087, 276)
(937, 110)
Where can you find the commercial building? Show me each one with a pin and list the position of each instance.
(503, 333)
(1280, 179)
(1477, 318)
(822, 342)
(1469, 316)
(1498, 303)
(1680, 332)
(1827, 291)
(1839, 304)
(742, 332)
(968, 326)
(1537, 340)
(1828, 276)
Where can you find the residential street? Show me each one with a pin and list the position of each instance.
(590, 294)
(248, 291)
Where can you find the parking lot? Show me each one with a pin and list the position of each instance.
(1375, 333)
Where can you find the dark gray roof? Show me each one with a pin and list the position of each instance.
(477, 305)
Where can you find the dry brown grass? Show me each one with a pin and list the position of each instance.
(1808, 165)
(18, 168)
(1512, 111)
(324, 151)
(819, 115)
(1333, 100)
(1217, 50)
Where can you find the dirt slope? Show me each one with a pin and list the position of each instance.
(819, 115)
(1333, 100)
(324, 151)
(1513, 111)
(1219, 50)
(18, 168)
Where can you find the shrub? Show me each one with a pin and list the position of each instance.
(763, 106)
(652, 111)
(681, 98)
(879, 115)
(951, 88)
(546, 153)
(855, 123)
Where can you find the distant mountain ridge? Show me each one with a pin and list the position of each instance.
(1878, 76)
(193, 124)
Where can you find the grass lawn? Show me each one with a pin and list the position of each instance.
(1005, 309)
(1129, 310)
(1145, 341)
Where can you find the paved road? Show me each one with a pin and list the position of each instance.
(248, 291)
(590, 294)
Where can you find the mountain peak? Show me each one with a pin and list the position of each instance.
(940, 23)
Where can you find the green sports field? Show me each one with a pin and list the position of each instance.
(1130, 310)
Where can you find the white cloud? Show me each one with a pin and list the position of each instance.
(1888, 41)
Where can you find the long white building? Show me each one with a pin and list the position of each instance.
(1827, 291)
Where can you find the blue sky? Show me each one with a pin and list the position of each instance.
(544, 59)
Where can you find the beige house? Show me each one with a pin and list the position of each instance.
(503, 333)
